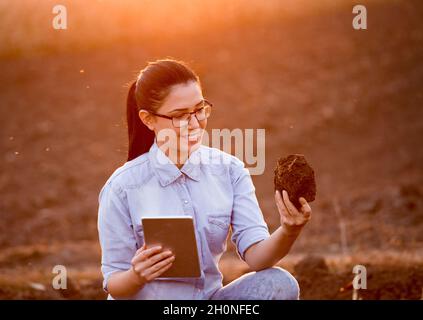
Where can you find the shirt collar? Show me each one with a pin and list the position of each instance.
(167, 172)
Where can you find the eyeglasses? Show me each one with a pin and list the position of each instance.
(183, 120)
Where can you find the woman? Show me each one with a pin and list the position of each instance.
(160, 178)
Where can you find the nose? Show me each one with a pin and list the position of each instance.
(193, 124)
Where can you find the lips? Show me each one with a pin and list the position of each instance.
(193, 135)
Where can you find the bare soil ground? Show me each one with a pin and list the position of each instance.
(350, 101)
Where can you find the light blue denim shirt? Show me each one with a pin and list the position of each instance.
(212, 187)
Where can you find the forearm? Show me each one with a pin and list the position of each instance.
(267, 253)
(123, 284)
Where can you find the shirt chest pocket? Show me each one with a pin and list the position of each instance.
(217, 230)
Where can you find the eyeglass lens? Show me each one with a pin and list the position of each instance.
(184, 119)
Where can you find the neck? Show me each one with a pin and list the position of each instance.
(177, 156)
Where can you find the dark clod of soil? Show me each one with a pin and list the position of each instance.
(295, 175)
(310, 265)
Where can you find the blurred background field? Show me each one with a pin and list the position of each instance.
(350, 100)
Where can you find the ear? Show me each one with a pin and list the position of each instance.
(147, 119)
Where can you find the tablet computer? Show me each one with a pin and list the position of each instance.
(177, 234)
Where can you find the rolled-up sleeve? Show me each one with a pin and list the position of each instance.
(117, 239)
(248, 225)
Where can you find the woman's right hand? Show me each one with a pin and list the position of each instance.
(148, 264)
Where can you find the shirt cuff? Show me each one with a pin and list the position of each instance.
(106, 279)
(249, 238)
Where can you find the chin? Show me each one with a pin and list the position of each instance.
(194, 146)
(190, 146)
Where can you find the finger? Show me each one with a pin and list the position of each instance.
(145, 254)
(158, 267)
(136, 259)
(305, 207)
(137, 256)
(151, 251)
(156, 258)
(289, 206)
(287, 217)
(140, 250)
(279, 203)
(143, 265)
(288, 221)
(159, 272)
(306, 215)
(290, 216)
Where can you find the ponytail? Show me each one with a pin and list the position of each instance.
(139, 136)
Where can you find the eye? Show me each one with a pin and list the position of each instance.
(182, 116)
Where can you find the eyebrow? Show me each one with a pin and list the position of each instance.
(184, 109)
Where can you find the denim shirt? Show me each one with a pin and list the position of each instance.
(212, 187)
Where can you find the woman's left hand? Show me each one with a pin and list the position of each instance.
(292, 220)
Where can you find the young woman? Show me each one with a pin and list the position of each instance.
(161, 179)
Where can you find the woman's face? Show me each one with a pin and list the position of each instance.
(182, 98)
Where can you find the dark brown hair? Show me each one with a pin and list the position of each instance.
(152, 86)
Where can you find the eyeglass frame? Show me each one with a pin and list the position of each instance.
(190, 113)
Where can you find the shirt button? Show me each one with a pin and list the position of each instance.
(185, 201)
